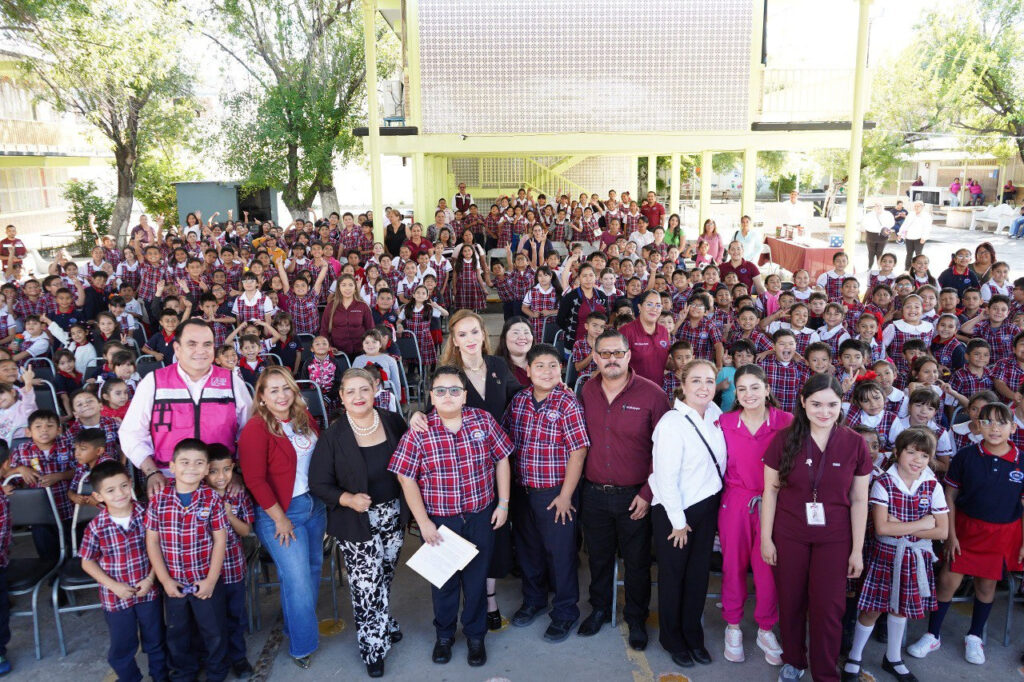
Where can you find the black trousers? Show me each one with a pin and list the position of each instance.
(236, 621)
(604, 517)
(206, 616)
(683, 574)
(547, 551)
(876, 246)
(914, 249)
(143, 622)
(472, 579)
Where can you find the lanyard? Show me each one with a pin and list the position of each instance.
(816, 475)
(711, 453)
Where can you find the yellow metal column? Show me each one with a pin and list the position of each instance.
(749, 192)
(674, 187)
(652, 175)
(706, 158)
(419, 185)
(856, 131)
(373, 116)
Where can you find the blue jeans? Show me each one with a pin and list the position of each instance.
(1017, 228)
(298, 568)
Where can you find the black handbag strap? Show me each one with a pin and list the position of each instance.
(711, 453)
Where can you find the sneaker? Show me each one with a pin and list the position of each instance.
(5, 665)
(767, 643)
(924, 646)
(733, 645)
(974, 650)
(790, 674)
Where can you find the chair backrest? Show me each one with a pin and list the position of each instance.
(32, 506)
(43, 368)
(570, 373)
(314, 401)
(93, 369)
(550, 330)
(84, 513)
(272, 358)
(578, 388)
(408, 347)
(46, 397)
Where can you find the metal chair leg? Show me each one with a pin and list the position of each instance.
(55, 598)
(1011, 588)
(35, 618)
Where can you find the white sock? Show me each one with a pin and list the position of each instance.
(861, 634)
(894, 649)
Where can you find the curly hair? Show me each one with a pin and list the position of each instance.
(298, 413)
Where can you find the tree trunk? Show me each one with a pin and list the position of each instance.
(328, 198)
(122, 214)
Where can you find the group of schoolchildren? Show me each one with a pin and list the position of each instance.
(908, 353)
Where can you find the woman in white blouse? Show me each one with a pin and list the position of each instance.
(916, 229)
(689, 463)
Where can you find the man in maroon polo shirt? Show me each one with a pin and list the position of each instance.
(746, 272)
(621, 410)
(648, 340)
(653, 211)
(12, 245)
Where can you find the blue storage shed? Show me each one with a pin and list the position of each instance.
(211, 196)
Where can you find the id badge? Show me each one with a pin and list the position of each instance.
(815, 514)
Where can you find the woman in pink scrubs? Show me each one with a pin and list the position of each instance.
(748, 429)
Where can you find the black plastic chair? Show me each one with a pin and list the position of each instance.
(259, 565)
(43, 368)
(46, 397)
(93, 369)
(28, 575)
(315, 402)
(72, 578)
(409, 349)
(146, 364)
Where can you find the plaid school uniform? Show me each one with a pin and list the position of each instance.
(121, 554)
(669, 383)
(150, 277)
(762, 342)
(833, 286)
(853, 312)
(82, 472)
(962, 436)
(506, 288)
(23, 306)
(474, 223)
(589, 227)
(580, 350)
(785, 380)
(324, 373)
(420, 328)
(906, 506)
(1000, 338)
(55, 461)
(492, 225)
(454, 471)
(875, 278)
(631, 223)
(505, 230)
(186, 533)
(129, 274)
(944, 353)
(468, 292)
(249, 311)
(523, 280)
(561, 231)
(305, 315)
(1010, 373)
(233, 570)
(544, 435)
(721, 317)
(881, 423)
(701, 338)
(899, 338)
(833, 337)
(392, 276)
(351, 239)
(966, 383)
(804, 338)
(540, 301)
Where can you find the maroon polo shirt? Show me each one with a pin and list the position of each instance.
(745, 271)
(649, 352)
(654, 214)
(620, 432)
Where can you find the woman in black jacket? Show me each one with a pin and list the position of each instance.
(365, 509)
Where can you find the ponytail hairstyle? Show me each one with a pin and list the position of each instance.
(757, 372)
(687, 369)
(797, 433)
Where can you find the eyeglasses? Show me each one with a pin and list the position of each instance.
(993, 422)
(607, 354)
(441, 391)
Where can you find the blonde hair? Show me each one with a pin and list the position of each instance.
(450, 354)
(298, 415)
(688, 369)
(356, 373)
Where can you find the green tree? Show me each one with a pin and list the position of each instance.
(306, 63)
(85, 202)
(111, 62)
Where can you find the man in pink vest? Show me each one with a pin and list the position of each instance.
(192, 398)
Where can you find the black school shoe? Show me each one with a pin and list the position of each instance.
(559, 630)
(891, 669)
(494, 620)
(442, 651)
(241, 669)
(701, 655)
(683, 659)
(477, 655)
(375, 668)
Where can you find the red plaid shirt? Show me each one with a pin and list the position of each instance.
(234, 556)
(504, 232)
(5, 530)
(50, 302)
(149, 277)
(1000, 339)
(23, 307)
(523, 282)
(56, 461)
(761, 341)
(195, 287)
(630, 222)
(966, 384)
(545, 435)
(721, 317)
(492, 224)
(701, 338)
(580, 350)
(853, 312)
(1010, 373)
(506, 287)
(186, 533)
(785, 380)
(455, 471)
(474, 223)
(82, 472)
(351, 239)
(305, 315)
(121, 554)
(110, 426)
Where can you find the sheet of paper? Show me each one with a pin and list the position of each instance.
(438, 563)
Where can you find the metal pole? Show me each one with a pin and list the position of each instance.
(652, 176)
(674, 187)
(856, 131)
(749, 191)
(373, 116)
(706, 158)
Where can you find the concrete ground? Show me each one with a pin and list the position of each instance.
(520, 654)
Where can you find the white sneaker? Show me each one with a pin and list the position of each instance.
(974, 650)
(924, 646)
(734, 645)
(767, 643)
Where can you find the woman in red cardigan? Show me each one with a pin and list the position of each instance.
(275, 449)
(346, 318)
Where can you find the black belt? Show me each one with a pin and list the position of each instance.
(531, 489)
(614, 488)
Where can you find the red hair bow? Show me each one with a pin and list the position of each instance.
(866, 376)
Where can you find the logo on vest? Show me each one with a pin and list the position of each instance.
(1017, 475)
(478, 434)
(924, 503)
(551, 415)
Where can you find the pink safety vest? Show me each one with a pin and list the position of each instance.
(177, 417)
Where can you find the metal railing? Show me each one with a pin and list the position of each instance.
(48, 138)
(806, 95)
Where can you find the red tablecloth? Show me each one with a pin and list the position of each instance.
(814, 256)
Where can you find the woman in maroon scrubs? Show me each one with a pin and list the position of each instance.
(813, 516)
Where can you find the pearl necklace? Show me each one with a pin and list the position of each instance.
(364, 431)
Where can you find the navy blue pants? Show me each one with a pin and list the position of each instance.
(472, 579)
(188, 613)
(5, 613)
(143, 622)
(235, 621)
(547, 551)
